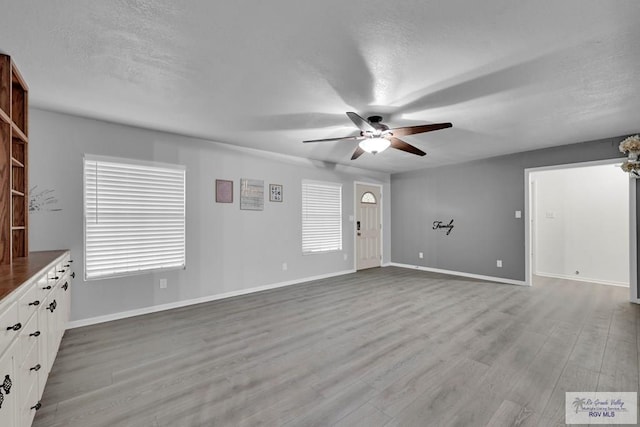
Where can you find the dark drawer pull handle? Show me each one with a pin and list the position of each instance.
(15, 327)
(47, 287)
(55, 278)
(65, 286)
(35, 334)
(73, 274)
(37, 406)
(36, 368)
(1, 399)
(70, 260)
(61, 271)
(36, 302)
(52, 306)
(67, 266)
(6, 384)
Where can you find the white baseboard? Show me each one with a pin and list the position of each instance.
(582, 279)
(208, 298)
(462, 274)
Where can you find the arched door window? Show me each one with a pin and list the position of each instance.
(368, 197)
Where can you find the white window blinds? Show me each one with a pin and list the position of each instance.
(321, 217)
(134, 217)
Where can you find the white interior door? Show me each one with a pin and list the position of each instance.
(368, 226)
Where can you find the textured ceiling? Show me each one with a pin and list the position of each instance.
(510, 75)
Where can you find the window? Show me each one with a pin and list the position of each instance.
(321, 217)
(134, 217)
(369, 198)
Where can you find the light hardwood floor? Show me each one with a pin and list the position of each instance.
(381, 347)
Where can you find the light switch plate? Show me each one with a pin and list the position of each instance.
(518, 214)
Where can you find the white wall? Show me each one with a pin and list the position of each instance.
(228, 250)
(581, 223)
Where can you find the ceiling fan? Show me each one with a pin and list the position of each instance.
(376, 137)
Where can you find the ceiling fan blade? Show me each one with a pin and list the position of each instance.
(401, 145)
(362, 124)
(357, 153)
(419, 129)
(344, 138)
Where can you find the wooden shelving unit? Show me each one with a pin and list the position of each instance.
(14, 143)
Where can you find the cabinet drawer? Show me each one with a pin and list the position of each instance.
(28, 373)
(9, 326)
(29, 336)
(45, 324)
(62, 274)
(30, 406)
(66, 263)
(28, 303)
(45, 286)
(53, 275)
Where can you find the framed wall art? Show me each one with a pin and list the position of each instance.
(275, 192)
(251, 194)
(224, 191)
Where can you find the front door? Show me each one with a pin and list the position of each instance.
(368, 226)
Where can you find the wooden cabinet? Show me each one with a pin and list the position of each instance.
(34, 311)
(14, 193)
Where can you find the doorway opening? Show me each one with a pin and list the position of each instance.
(368, 225)
(580, 224)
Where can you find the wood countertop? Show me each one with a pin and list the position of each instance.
(22, 269)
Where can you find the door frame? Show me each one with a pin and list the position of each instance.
(633, 261)
(355, 210)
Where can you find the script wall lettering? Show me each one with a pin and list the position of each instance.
(437, 225)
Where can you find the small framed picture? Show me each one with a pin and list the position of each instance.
(275, 192)
(224, 191)
(251, 194)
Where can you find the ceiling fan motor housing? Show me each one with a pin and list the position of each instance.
(380, 128)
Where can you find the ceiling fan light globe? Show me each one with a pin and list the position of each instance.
(374, 145)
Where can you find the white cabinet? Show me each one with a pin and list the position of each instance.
(34, 311)
(9, 325)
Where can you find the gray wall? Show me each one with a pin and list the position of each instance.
(482, 197)
(227, 249)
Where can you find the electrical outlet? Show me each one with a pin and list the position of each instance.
(499, 263)
(163, 283)
(284, 266)
(420, 255)
(518, 214)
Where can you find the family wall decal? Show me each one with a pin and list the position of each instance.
(437, 225)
